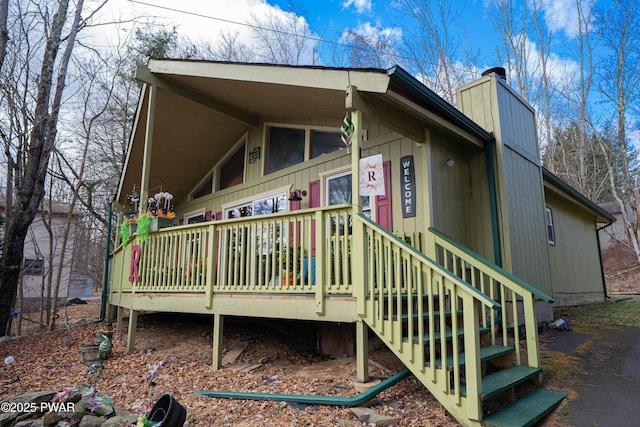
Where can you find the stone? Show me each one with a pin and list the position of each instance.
(91, 421)
(362, 387)
(368, 415)
(120, 420)
(51, 418)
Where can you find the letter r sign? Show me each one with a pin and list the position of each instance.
(134, 276)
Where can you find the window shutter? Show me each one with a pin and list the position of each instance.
(181, 221)
(314, 194)
(383, 203)
(207, 216)
(218, 216)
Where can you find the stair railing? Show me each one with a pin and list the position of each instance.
(516, 297)
(414, 304)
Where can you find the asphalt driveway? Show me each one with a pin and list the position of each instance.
(605, 377)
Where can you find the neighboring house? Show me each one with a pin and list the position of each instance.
(458, 231)
(40, 246)
(618, 232)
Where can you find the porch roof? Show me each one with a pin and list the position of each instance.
(203, 108)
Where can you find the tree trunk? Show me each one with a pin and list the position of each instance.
(4, 34)
(31, 192)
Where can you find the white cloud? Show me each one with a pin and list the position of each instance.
(361, 6)
(376, 32)
(562, 15)
(196, 19)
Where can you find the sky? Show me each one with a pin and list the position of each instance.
(327, 19)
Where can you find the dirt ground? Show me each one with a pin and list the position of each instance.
(273, 364)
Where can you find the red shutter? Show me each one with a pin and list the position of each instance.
(314, 194)
(218, 216)
(383, 203)
(181, 221)
(207, 216)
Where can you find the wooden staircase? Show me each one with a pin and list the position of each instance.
(447, 327)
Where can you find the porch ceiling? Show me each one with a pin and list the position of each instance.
(189, 138)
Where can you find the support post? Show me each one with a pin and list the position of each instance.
(131, 333)
(362, 351)
(119, 318)
(148, 146)
(218, 330)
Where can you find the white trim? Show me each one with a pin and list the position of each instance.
(337, 173)
(278, 191)
(194, 214)
(550, 228)
(244, 139)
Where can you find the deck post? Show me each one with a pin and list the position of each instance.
(131, 333)
(362, 352)
(119, 318)
(218, 328)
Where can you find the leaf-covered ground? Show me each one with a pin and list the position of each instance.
(44, 362)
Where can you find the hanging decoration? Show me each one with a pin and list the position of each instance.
(346, 131)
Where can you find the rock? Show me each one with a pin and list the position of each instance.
(368, 415)
(51, 418)
(120, 420)
(91, 421)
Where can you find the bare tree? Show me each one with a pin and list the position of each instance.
(432, 46)
(4, 33)
(284, 38)
(29, 186)
(619, 83)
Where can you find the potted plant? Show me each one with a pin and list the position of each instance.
(291, 260)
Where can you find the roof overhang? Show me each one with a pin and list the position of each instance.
(203, 108)
(562, 189)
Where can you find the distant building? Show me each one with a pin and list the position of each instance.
(41, 246)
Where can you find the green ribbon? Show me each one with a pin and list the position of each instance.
(346, 130)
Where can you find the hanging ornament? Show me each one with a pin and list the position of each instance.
(346, 131)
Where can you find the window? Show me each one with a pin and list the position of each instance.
(285, 147)
(338, 191)
(549, 219)
(228, 172)
(231, 172)
(288, 146)
(323, 142)
(194, 218)
(261, 205)
(33, 267)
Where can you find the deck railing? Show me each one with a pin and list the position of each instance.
(303, 251)
(517, 298)
(412, 303)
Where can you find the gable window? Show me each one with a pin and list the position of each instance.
(231, 171)
(288, 146)
(228, 172)
(33, 267)
(285, 147)
(549, 220)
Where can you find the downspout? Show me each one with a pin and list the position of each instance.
(348, 401)
(493, 201)
(604, 280)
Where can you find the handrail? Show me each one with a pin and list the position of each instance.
(433, 264)
(497, 269)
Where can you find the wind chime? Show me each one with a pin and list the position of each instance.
(346, 131)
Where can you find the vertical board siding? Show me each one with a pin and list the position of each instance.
(527, 232)
(574, 259)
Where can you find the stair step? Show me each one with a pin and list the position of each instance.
(449, 334)
(505, 379)
(486, 353)
(528, 410)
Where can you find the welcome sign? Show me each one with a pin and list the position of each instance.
(408, 186)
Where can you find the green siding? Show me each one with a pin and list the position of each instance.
(574, 259)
